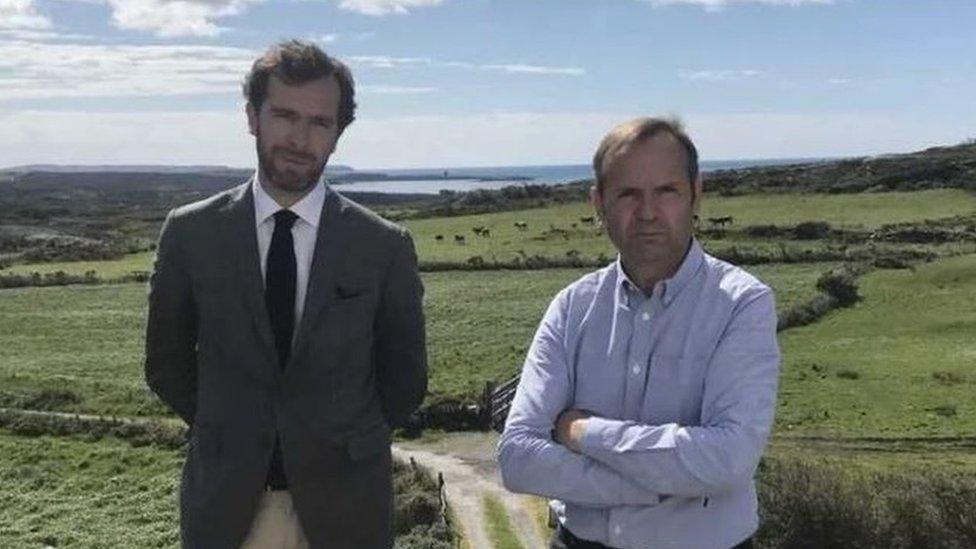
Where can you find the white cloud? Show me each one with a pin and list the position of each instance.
(718, 5)
(394, 90)
(329, 38)
(36, 70)
(388, 62)
(386, 7)
(170, 18)
(725, 75)
(535, 69)
(21, 14)
(42, 35)
(41, 136)
(52, 68)
(74, 137)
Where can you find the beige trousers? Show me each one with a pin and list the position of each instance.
(275, 524)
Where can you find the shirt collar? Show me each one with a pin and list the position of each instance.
(669, 288)
(309, 208)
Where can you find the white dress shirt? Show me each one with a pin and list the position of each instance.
(683, 387)
(304, 233)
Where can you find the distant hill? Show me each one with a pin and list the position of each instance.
(937, 167)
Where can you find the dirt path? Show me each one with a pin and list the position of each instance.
(467, 461)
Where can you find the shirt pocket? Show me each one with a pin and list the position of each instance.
(674, 392)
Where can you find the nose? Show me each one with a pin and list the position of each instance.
(646, 207)
(298, 136)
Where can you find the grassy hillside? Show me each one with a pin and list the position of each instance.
(550, 231)
(79, 348)
(898, 364)
(62, 492)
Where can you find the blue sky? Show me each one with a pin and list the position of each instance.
(490, 82)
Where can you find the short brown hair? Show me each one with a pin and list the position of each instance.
(296, 62)
(622, 137)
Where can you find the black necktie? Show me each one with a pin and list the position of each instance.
(279, 297)
(279, 284)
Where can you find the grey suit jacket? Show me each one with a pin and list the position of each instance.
(357, 368)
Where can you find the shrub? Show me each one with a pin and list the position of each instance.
(43, 399)
(419, 514)
(808, 504)
(811, 230)
(841, 285)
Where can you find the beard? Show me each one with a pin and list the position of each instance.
(283, 175)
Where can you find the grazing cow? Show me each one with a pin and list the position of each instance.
(588, 220)
(439, 237)
(477, 230)
(720, 221)
(521, 225)
(486, 232)
(459, 238)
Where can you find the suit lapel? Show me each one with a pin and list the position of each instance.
(326, 259)
(241, 234)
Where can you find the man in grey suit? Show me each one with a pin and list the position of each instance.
(286, 328)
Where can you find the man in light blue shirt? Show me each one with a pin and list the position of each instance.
(647, 395)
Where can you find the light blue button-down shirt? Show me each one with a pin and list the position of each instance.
(682, 383)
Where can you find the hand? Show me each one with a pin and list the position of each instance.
(570, 426)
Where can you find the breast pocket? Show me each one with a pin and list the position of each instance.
(675, 387)
(350, 318)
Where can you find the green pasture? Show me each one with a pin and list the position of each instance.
(67, 492)
(115, 268)
(82, 345)
(480, 324)
(866, 210)
(899, 364)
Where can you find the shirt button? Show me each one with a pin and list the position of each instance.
(645, 316)
(636, 369)
(616, 530)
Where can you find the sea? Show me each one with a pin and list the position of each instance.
(435, 180)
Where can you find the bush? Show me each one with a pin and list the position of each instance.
(811, 230)
(43, 399)
(806, 504)
(436, 536)
(805, 313)
(420, 520)
(840, 285)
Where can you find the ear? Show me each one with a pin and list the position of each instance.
(696, 203)
(252, 119)
(596, 199)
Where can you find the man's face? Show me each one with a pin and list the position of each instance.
(296, 130)
(646, 203)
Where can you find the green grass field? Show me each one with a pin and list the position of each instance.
(88, 340)
(857, 210)
(886, 385)
(898, 364)
(507, 242)
(141, 261)
(67, 492)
